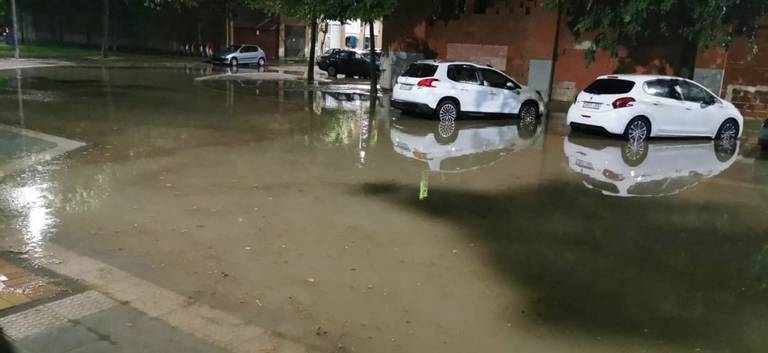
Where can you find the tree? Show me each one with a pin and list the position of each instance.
(368, 11)
(104, 28)
(697, 23)
(15, 29)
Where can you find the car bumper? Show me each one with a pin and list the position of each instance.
(607, 121)
(220, 60)
(411, 106)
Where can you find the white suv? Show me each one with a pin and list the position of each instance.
(642, 106)
(448, 89)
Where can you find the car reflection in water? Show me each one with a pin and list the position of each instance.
(650, 168)
(454, 146)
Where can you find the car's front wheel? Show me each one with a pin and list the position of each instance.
(529, 111)
(728, 131)
(447, 109)
(331, 71)
(638, 129)
(234, 62)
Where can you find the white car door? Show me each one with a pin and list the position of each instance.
(503, 93)
(468, 86)
(703, 111)
(665, 106)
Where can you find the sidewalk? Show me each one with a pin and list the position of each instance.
(112, 311)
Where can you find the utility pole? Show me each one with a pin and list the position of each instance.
(15, 30)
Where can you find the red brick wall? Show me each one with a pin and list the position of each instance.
(746, 76)
(523, 26)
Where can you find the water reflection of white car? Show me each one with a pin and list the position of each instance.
(455, 146)
(653, 168)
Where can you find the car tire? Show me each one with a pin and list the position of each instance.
(447, 109)
(446, 132)
(634, 153)
(262, 61)
(234, 62)
(728, 130)
(529, 111)
(331, 71)
(638, 129)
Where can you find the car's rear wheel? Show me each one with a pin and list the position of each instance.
(262, 61)
(234, 62)
(638, 129)
(447, 109)
(529, 111)
(331, 71)
(728, 131)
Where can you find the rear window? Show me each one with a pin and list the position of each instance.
(610, 86)
(420, 70)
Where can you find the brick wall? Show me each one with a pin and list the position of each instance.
(746, 76)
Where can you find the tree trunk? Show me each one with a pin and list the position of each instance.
(312, 48)
(372, 64)
(688, 55)
(105, 29)
(15, 30)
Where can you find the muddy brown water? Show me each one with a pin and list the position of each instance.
(482, 235)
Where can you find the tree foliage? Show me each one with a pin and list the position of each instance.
(700, 22)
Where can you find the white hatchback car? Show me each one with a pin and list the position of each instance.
(642, 106)
(448, 89)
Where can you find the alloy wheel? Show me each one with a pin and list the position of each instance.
(529, 112)
(447, 112)
(728, 131)
(637, 131)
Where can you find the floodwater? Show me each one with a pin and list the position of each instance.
(351, 228)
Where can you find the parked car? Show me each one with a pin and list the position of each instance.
(3, 31)
(345, 62)
(449, 89)
(241, 54)
(762, 136)
(327, 52)
(647, 168)
(642, 106)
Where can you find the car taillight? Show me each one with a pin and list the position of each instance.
(623, 102)
(427, 82)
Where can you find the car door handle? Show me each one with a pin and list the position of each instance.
(688, 108)
(656, 103)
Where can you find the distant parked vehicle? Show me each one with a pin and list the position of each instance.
(448, 89)
(3, 31)
(345, 62)
(237, 54)
(762, 136)
(643, 106)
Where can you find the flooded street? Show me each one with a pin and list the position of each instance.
(343, 227)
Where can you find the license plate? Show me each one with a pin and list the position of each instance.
(406, 87)
(591, 105)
